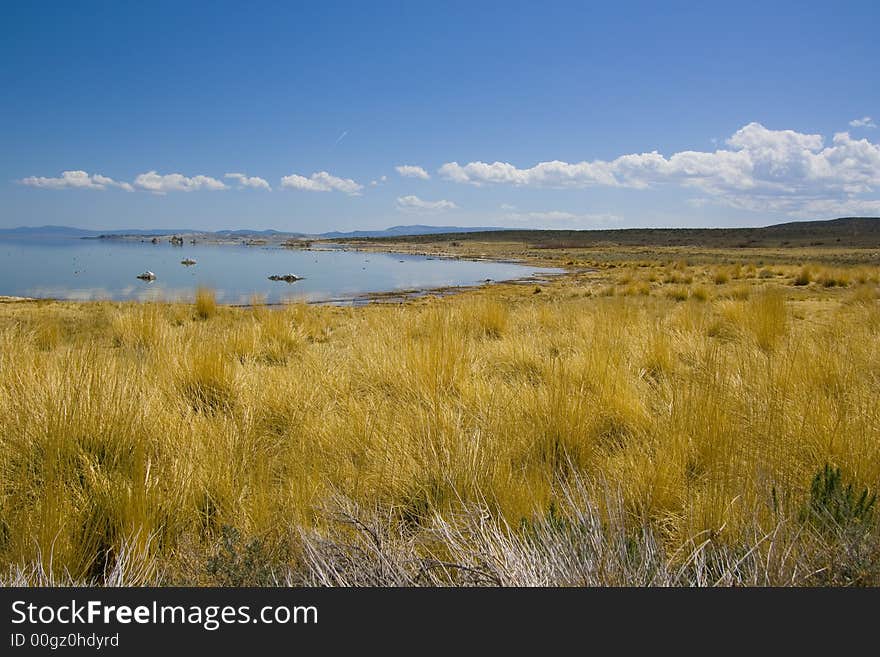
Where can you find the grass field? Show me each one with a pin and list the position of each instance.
(665, 416)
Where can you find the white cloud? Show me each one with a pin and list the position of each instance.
(75, 180)
(551, 174)
(507, 206)
(322, 182)
(559, 219)
(411, 171)
(414, 203)
(864, 122)
(253, 182)
(761, 169)
(381, 181)
(176, 182)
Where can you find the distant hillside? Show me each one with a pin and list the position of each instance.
(861, 232)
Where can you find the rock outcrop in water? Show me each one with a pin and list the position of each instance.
(287, 278)
(188, 262)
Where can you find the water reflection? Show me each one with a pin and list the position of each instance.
(96, 269)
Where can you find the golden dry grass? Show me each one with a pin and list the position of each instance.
(206, 303)
(149, 428)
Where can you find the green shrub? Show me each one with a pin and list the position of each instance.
(234, 566)
(834, 505)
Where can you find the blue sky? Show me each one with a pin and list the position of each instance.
(559, 115)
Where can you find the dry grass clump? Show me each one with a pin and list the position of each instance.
(679, 293)
(863, 294)
(767, 318)
(207, 379)
(206, 303)
(48, 335)
(493, 437)
(833, 278)
(739, 292)
(640, 288)
(140, 326)
(677, 277)
(281, 334)
(804, 277)
(700, 293)
(489, 317)
(865, 275)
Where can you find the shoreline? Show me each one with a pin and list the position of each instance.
(357, 300)
(15, 299)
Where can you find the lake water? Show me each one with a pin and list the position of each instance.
(79, 269)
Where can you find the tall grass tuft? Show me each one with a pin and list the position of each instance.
(207, 379)
(140, 326)
(206, 303)
(767, 317)
(804, 277)
(491, 317)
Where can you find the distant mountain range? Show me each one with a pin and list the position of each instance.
(842, 232)
(58, 232)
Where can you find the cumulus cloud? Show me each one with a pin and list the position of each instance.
(75, 180)
(412, 171)
(253, 182)
(176, 182)
(560, 219)
(864, 122)
(322, 182)
(414, 203)
(761, 169)
(550, 174)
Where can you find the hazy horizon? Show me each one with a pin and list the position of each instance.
(258, 229)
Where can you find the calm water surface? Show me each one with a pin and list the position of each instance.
(103, 269)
